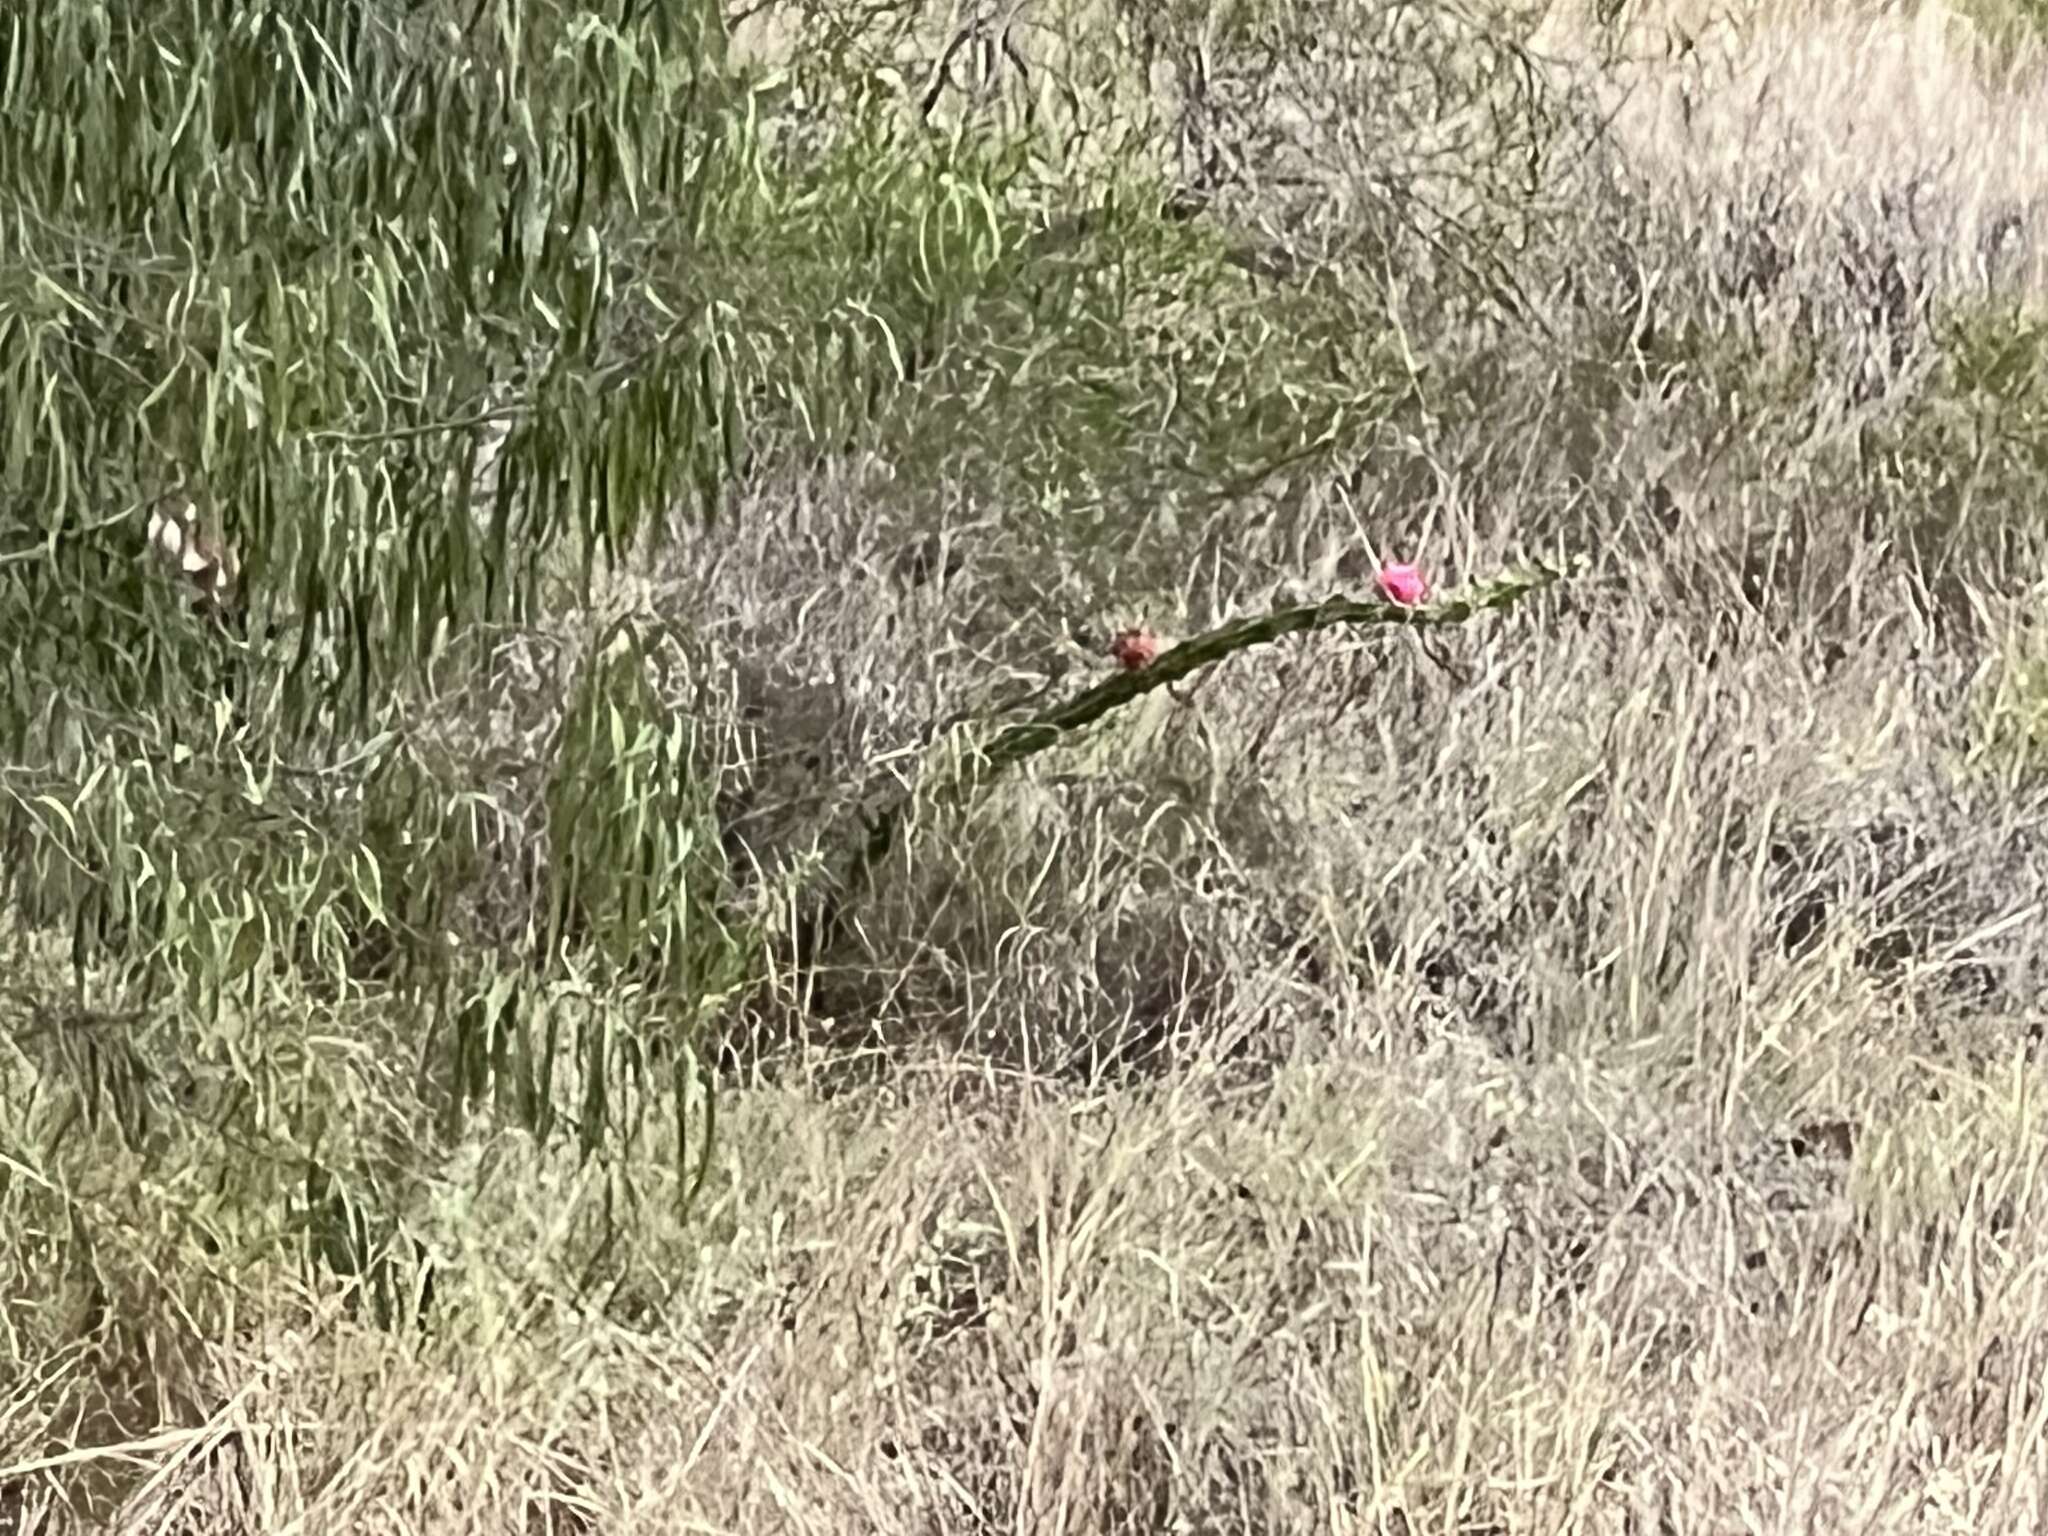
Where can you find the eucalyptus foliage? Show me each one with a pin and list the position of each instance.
(408, 308)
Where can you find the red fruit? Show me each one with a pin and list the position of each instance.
(1403, 584)
(1135, 649)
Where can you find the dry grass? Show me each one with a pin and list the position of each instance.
(1582, 1079)
(1911, 108)
(1428, 1289)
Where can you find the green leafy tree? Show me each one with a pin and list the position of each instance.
(346, 347)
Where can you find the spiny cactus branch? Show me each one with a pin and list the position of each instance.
(1015, 742)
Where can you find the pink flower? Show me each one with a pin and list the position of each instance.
(1403, 584)
(1135, 649)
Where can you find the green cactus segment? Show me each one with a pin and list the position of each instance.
(1015, 742)
(1022, 739)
